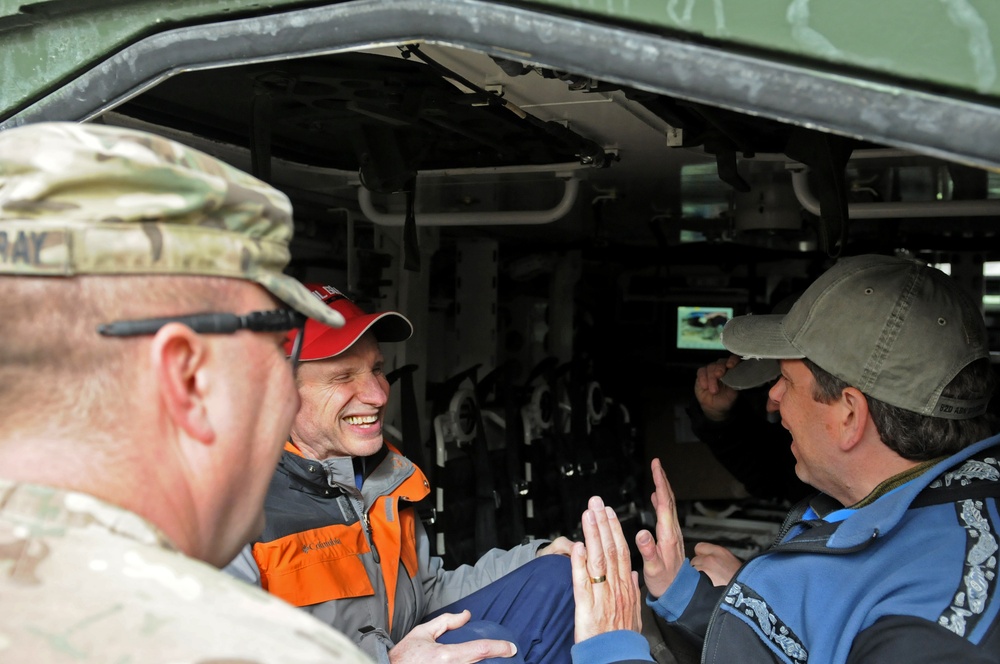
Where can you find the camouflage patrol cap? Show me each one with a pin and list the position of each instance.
(95, 199)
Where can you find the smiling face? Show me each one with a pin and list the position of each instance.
(810, 422)
(343, 401)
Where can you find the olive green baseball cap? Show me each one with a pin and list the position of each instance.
(894, 328)
(83, 198)
(755, 373)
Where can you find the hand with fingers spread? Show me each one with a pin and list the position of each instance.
(716, 561)
(420, 644)
(604, 586)
(663, 555)
(714, 397)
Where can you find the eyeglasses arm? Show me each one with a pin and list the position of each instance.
(201, 323)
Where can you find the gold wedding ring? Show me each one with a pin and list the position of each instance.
(599, 579)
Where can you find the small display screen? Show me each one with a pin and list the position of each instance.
(699, 327)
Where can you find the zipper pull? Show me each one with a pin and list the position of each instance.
(371, 537)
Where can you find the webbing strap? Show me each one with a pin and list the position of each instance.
(411, 245)
(486, 498)
(411, 446)
(514, 438)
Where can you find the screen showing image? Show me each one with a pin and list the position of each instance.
(699, 327)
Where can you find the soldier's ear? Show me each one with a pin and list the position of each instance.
(180, 363)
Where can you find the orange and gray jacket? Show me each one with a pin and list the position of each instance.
(359, 560)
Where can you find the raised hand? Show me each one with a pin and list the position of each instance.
(715, 398)
(604, 586)
(663, 555)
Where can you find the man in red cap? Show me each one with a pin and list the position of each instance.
(342, 539)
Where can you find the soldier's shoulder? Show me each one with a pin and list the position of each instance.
(76, 589)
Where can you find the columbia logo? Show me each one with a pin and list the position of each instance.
(321, 545)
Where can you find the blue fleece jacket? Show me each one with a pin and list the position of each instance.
(911, 576)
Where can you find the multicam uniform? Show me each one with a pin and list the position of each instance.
(319, 551)
(85, 581)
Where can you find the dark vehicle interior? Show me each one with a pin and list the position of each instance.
(568, 229)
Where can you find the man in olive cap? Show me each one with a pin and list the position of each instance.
(884, 385)
(146, 396)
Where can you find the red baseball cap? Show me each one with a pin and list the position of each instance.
(320, 341)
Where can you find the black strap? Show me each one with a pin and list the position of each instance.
(260, 135)
(411, 446)
(411, 245)
(500, 383)
(566, 455)
(827, 155)
(486, 496)
(514, 439)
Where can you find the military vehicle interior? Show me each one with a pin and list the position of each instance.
(567, 248)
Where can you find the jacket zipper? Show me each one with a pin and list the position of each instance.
(371, 536)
